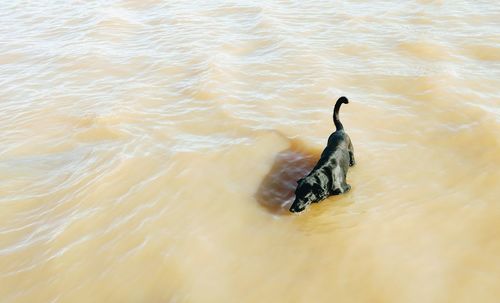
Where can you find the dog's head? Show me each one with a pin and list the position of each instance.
(307, 192)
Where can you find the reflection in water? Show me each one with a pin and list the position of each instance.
(276, 192)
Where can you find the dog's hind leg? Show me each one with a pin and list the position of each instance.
(351, 155)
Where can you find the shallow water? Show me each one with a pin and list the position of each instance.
(149, 151)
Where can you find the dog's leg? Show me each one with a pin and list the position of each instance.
(336, 191)
(351, 159)
(351, 155)
(346, 187)
(340, 190)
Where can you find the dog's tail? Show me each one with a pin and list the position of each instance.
(336, 120)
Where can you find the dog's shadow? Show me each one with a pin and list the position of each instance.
(277, 190)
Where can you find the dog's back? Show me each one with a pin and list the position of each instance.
(339, 141)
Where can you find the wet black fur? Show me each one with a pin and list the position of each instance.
(328, 177)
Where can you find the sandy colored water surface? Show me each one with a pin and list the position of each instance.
(149, 150)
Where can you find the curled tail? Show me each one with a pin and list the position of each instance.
(336, 120)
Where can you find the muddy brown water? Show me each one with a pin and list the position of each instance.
(149, 150)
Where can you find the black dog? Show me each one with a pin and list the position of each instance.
(328, 177)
